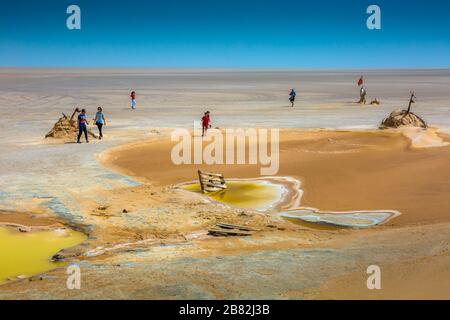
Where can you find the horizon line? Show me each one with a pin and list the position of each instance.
(212, 68)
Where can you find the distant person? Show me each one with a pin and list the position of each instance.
(206, 120)
(133, 99)
(361, 81)
(100, 121)
(292, 96)
(362, 95)
(82, 126)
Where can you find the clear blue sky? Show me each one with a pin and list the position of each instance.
(226, 33)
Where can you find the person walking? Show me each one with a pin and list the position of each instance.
(133, 100)
(362, 91)
(206, 120)
(82, 126)
(292, 96)
(100, 121)
(362, 95)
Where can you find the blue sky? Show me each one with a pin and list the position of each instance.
(226, 34)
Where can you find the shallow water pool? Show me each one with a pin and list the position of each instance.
(256, 195)
(27, 254)
(351, 219)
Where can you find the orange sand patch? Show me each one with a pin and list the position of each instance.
(339, 170)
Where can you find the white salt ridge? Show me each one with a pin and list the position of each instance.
(350, 219)
(421, 138)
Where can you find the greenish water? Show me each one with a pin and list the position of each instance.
(257, 195)
(27, 254)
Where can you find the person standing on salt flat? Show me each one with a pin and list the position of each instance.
(292, 96)
(206, 120)
(133, 99)
(82, 126)
(362, 91)
(362, 95)
(100, 121)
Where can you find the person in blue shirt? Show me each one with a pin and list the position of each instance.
(82, 126)
(100, 121)
(292, 96)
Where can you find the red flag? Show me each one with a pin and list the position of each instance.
(360, 82)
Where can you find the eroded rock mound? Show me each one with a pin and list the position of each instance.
(402, 118)
(66, 128)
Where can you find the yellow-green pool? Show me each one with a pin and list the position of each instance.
(257, 195)
(27, 254)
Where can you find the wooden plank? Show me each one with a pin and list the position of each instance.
(212, 185)
(212, 179)
(226, 229)
(201, 181)
(239, 227)
(229, 232)
(212, 174)
(211, 182)
(212, 190)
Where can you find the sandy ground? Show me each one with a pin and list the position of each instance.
(340, 171)
(147, 240)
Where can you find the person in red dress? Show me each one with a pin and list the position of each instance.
(206, 120)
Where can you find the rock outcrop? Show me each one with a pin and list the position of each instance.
(66, 128)
(402, 118)
(375, 102)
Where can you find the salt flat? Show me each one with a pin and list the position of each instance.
(68, 180)
(31, 100)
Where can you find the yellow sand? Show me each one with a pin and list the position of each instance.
(27, 254)
(244, 194)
